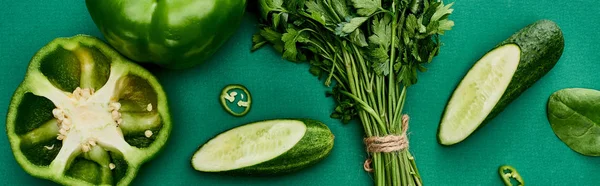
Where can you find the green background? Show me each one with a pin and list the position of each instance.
(520, 136)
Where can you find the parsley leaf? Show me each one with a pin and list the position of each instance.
(442, 11)
(379, 56)
(366, 7)
(273, 37)
(270, 6)
(345, 28)
(257, 41)
(318, 17)
(341, 8)
(382, 30)
(358, 38)
(289, 38)
(317, 8)
(445, 25)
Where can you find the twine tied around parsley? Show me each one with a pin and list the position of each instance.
(387, 144)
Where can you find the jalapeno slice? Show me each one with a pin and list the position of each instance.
(509, 173)
(236, 99)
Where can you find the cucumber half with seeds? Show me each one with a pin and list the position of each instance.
(269, 147)
(498, 78)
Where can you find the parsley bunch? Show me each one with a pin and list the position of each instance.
(371, 49)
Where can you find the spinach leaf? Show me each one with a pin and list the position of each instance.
(574, 115)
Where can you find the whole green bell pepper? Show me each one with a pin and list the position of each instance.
(85, 115)
(174, 34)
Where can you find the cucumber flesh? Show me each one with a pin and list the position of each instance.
(248, 145)
(478, 93)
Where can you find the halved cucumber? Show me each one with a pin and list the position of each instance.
(498, 78)
(265, 148)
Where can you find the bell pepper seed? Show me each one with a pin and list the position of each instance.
(148, 133)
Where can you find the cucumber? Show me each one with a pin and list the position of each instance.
(270, 147)
(498, 78)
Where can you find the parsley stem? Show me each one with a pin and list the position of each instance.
(391, 82)
(365, 106)
(372, 67)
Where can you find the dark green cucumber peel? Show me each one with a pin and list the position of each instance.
(541, 45)
(313, 147)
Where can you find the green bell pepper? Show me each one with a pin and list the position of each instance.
(85, 115)
(173, 34)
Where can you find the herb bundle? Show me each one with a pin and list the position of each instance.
(372, 50)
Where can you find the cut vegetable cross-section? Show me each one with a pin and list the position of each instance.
(77, 112)
(265, 148)
(499, 77)
(478, 93)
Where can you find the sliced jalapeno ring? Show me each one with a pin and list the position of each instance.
(507, 173)
(228, 99)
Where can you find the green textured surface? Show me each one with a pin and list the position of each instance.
(520, 136)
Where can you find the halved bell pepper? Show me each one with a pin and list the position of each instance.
(172, 34)
(85, 115)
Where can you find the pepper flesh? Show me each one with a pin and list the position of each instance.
(173, 34)
(79, 116)
(507, 173)
(229, 94)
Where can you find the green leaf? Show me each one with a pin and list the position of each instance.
(316, 71)
(397, 66)
(290, 50)
(341, 8)
(382, 30)
(270, 35)
(303, 37)
(422, 28)
(353, 24)
(442, 11)
(299, 22)
(273, 37)
(276, 18)
(381, 69)
(406, 37)
(415, 52)
(379, 55)
(358, 38)
(318, 17)
(257, 41)
(432, 28)
(574, 118)
(317, 8)
(285, 16)
(295, 5)
(267, 6)
(366, 7)
(380, 60)
(433, 53)
(421, 68)
(411, 23)
(277, 3)
(444, 25)
(429, 11)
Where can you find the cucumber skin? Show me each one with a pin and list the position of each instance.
(541, 44)
(314, 146)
